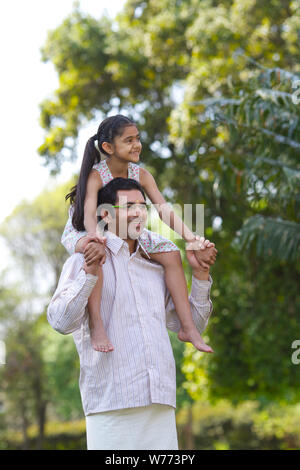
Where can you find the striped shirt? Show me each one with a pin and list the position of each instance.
(136, 309)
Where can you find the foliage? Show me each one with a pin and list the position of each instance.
(262, 118)
(173, 66)
(23, 380)
(246, 426)
(41, 368)
(62, 367)
(33, 232)
(219, 427)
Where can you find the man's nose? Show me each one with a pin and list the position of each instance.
(137, 211)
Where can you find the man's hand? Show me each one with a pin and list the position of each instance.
(82, 243)
(95, 252)
(204, 251)
(202, 258)
(94, 257)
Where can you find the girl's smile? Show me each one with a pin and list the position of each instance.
(129, 144)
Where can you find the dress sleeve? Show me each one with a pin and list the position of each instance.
(200, 302)
(70, 235)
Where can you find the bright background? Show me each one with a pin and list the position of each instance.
(25, 82)
(238, 154)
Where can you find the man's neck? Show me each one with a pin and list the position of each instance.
(131, 244)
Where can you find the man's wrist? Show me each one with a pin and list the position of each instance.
(92, 269)
(201, 274)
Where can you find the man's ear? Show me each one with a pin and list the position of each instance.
(104, 215)
(106, 212)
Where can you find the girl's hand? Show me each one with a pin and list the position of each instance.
(96, 236)
(199, 243)
(83, 242)
(202, 257)
(95, 251)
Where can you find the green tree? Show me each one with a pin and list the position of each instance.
(23, 379)
(32, 234)
(262, 119)
(41, 371)
(158, 62)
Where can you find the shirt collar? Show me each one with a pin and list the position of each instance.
(114, 243)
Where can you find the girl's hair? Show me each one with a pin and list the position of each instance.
(109, 128)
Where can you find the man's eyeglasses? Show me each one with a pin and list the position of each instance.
(134, 206)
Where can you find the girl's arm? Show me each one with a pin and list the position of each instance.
(94, 183)
(72, 239)
(165, 212)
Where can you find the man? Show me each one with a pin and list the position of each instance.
(129, 394)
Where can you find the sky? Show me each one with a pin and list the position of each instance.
(25, 82)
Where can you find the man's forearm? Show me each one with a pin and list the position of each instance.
(92, 269)
(201, 274)
(67, 306)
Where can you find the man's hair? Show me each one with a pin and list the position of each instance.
(109, 193)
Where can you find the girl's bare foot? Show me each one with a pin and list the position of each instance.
(100, 341)
(193, 336)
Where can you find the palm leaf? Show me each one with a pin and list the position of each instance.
(276, 238)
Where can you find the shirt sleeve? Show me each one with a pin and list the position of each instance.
(67, 307)
(70, 235)
(200, 302)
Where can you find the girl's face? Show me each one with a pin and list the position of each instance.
(127, 146)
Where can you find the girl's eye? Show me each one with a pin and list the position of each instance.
(130, 140)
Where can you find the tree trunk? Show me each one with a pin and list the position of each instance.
(189, 436)
(25, 424)
(41, 425)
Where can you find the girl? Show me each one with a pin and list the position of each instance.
(118, 138)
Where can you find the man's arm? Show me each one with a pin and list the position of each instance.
(66, 310)
(201, 305)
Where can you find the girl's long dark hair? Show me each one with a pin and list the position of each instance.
(107, 131)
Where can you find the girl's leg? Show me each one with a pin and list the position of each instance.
(176, 283)
(99, 339)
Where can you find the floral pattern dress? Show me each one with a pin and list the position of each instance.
(152, 242)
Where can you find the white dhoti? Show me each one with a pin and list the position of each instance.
(150, 427)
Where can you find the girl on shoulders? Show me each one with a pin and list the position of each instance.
(119, 140)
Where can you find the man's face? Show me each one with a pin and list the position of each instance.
(131, 217)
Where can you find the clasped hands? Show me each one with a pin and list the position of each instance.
(93, 248)
(201, 253)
